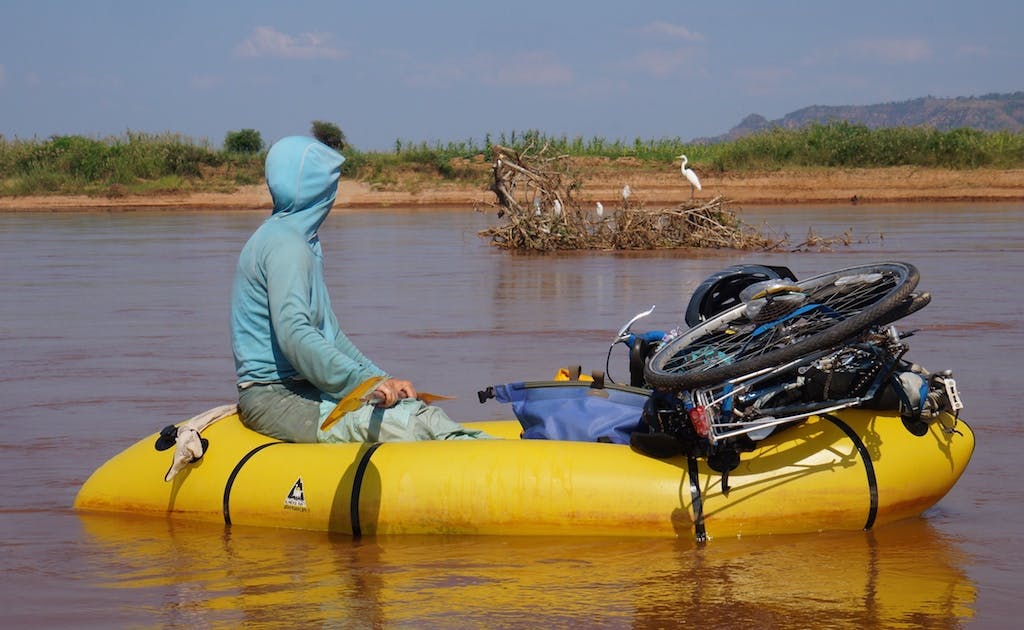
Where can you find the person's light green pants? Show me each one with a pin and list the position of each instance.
(293, 412)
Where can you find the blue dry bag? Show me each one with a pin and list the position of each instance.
(574, 410)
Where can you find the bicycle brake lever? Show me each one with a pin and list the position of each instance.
(623, 334)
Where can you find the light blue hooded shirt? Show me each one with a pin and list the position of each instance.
(282, 324)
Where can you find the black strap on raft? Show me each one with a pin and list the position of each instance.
(357, 484)
(724, 459)
(234, 473)
(700, 533)
(869, 466)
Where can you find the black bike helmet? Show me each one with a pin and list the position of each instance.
(721, 290)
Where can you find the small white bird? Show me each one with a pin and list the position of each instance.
(600, 209)
(558, 208)
(626, 192)
(690, 176)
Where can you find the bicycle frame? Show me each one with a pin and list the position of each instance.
(712, 410)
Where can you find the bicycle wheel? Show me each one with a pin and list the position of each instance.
(834, 307)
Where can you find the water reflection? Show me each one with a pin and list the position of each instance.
(198, 574)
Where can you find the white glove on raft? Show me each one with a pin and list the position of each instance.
(188, 446)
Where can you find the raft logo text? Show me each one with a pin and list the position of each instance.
(296, 499)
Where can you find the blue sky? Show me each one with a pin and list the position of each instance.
(448, 70)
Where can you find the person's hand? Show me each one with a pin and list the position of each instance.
(393, 390)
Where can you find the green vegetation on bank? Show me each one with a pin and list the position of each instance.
(135, 163)
(140, 163)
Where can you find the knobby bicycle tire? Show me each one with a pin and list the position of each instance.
(725, 347)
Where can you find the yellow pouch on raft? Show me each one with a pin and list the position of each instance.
(357, 398)
(572, 374)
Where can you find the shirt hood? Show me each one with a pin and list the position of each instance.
(302, 174)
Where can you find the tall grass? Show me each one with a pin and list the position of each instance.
(76, 164)
(846, 145)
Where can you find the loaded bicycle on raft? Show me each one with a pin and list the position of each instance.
(764, 352)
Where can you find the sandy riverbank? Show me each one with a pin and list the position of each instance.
(604, 183)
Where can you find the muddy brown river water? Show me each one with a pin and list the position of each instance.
(113, 325)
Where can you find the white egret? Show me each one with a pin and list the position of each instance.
(600, 209)
(558, 208)
(626, 192)
(690, 176)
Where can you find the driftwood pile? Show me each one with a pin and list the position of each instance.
(538, 206)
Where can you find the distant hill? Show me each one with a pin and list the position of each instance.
(991, 112)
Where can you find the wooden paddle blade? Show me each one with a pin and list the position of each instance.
(430, 399)
(351, 402)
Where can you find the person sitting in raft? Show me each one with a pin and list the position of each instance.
(293, 362)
